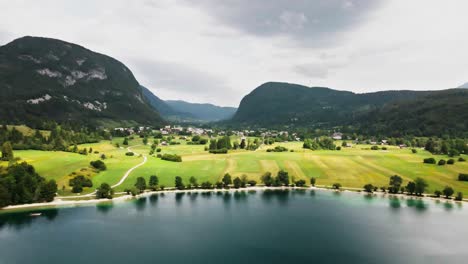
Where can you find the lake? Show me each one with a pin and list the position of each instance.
(295, 226)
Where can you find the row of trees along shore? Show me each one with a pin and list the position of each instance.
(416, 187)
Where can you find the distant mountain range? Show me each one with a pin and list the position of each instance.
(44, 79)
(203, 112)
(177, 110)
(277, 104)
(465, 85)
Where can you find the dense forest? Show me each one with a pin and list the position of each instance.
(20, 184)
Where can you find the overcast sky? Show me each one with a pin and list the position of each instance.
(217, 51)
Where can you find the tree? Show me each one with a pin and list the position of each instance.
(219, 185)
(7, 151)
(242, 144)
(193, 182)
(145, 141)
(441, 162)
(283, 177)
(312, 181)
(267, 179)
(437, 193)
(140, 184)
(369, 188)
(227, 180)
(98, 164)
(459, 196)
(207, 185)
(411, 187)
(125, 141)
(420, 186)
(46, 191)
(104, 191)
(237, 182)
(153, 182)
(244, 180)
(448, 191)
(179, 184)
(395, 184)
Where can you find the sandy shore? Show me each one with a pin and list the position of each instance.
(63, 202)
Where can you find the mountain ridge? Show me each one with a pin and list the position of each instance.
(40, 75)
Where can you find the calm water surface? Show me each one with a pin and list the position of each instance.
(242, 227)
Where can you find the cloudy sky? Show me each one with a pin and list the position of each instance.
(217, 51)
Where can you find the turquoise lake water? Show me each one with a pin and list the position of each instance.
(293, 226)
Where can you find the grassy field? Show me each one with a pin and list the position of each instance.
(352, 167)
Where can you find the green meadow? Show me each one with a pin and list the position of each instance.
(352, 167)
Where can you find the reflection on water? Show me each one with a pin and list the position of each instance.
(153, 199)
(140, 203)
(105, 207)
(19, 220)
(418, 204)
(394, 202)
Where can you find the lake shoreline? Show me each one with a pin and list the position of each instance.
(59, 202)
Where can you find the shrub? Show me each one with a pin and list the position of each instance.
(158, 150)
(461, 159)
(171, 157)
(252, 182)
(414, 151)
(159, 156)
(459, 196)
(430, 161)
(437, 193)
(219, 151)
(300, 183)
(80, 181)
(450, 161)
(103, 156)
(441, 162)
(338, 148)
(130, 153)
(98, 164)
(278, 149)
(77, 189)
(336, 186)
(374, 148)
(463, 177)
(384, 148)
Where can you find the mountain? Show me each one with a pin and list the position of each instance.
(465, 85)
(45, 79)
(276, 104)
(202, 112)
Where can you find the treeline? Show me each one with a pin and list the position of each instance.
(319, 143)
(416, 187)
(57, 138)
(20, 184)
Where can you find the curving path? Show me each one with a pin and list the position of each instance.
(131, 169)
(124, 177)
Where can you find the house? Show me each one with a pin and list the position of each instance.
(402, 146)
(164, 143)
(337, 136)
(348, 145)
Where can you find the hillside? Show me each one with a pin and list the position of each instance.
(48, 79)
(202, 112)
(418, 112)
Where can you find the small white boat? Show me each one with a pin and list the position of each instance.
(35, 214)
